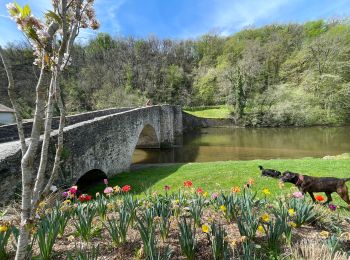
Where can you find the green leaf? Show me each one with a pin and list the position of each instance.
(26, 11)
(32, 34)
(54, 16)
(18, 7)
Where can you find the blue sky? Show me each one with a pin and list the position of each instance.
(179, 19)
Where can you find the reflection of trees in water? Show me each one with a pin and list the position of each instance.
(212, 144)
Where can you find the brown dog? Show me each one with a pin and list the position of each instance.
(311, 184)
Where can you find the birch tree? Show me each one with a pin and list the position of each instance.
(52, 40)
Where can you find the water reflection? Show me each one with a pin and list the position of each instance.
(222, 144)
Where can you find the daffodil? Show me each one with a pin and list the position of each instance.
(266, 191)
(324, 234)
(205, 228)
(236, 189)
(223, 208)
(42, 204)
(234, 243)
(3, 228)
(292, 224)
(205, 194)
(291, 212)
(261, 229)
(265, 217)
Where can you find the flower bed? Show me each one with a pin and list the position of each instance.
(188, 223)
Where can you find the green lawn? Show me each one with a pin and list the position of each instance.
(211, 112)
(216, 176)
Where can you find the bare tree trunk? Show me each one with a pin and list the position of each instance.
(15, 105)
(59, 148)
(28, 170)
(40, 177)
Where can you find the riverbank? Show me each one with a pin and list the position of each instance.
(223, 115)
(222, 176)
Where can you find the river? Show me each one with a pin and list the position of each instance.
(222, 144)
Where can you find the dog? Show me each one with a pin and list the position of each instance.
(269, 172)
(309, 184)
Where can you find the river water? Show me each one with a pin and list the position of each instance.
(222, 144)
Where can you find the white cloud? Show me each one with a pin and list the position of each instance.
(107, 13)
(230, 16)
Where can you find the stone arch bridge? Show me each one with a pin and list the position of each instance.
(101, 141)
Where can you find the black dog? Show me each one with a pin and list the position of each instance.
(269, 172)
(311, 184)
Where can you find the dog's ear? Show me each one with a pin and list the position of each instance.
(261, 168)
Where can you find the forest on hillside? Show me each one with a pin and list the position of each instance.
(276, 75)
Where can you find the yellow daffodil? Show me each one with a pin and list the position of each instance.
(236, 189)
(67, 202)
(292, 224)
(223, 208)
(265, 217)
(42, 204)
(324, 234)
(3, 228)
(205, 194)
(234, 243)
(291, 212)
(116, 188)
(261, 229)
(266, 191)
(205, 228)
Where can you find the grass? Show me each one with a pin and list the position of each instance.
(222, 111)
(216, 176)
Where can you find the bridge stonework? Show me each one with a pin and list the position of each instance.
(104, 143)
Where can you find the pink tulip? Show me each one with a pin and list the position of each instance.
(298, 195)
(105, 181)
(108, 190)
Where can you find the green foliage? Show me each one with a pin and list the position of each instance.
(4, 239)
(117, 228)
(276, 75)
(83, 254)
(148, 237)
(218, 239)
(315, 28)
(231, 204)
(85, 214)
(196, 207)
(187, 238)
(46, 235)
(304, 211)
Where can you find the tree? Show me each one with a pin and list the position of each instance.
(52, 41)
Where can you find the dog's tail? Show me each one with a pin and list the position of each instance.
(261, 168)
(346, 179)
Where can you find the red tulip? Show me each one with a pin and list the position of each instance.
(188, 183)
(126, 188)
(319, 198)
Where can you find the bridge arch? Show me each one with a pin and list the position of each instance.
(89, 178)
(148, 138)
